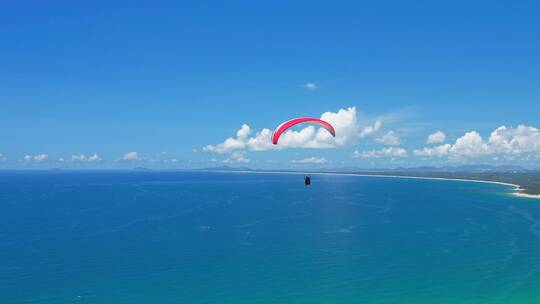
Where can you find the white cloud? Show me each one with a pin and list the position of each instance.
(94, 158)
(262, 141)
(78, 157)
(389, 139)
(384, 152)
(40, 157)
(516, 141)
(36, 158)
(441, 150)
(344, 122)
(470, 144)
(2, 157)
(244, 132)
(237, 157)
(231, 144)
(370, 129)
(311, 86)
(310, 160)
(131, 156)
(436, 138)
(83, 158)
(509, 142)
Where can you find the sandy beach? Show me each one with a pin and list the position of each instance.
(537, 196)
(519, 192)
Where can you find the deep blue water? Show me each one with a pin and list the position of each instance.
(195, 237)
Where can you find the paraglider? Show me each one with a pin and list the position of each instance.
(286, 125)
(290, 123)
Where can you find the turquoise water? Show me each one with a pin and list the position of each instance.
(180, 237)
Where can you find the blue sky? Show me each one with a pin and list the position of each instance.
(164, 79)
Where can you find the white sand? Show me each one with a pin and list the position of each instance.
(537, 196)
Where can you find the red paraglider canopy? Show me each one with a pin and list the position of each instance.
(284, 126)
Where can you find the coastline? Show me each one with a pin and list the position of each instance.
(536, 196)
(517, 191)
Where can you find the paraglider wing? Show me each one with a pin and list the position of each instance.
(286, 125)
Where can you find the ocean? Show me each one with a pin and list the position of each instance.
(202, 237)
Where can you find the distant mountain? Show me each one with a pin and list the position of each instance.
(486, 168)
(141, 169)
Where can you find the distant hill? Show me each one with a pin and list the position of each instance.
(141, 169)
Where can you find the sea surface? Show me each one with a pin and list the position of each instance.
(201, 237)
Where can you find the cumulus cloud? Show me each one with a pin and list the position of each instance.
(345, 123)
(508, 141)
(36, 158)
(94, 158)
(436, 138)
(41, 157)
(370, 129)
(231, 144)
(262, 141)
(237, 157)
(78, 157)
(389, 139)
(131, 156)
(311, 86)
(83, 158)
(384, 152)
(439, 151)
(470, 144)
(515, 141)
(310, 160)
